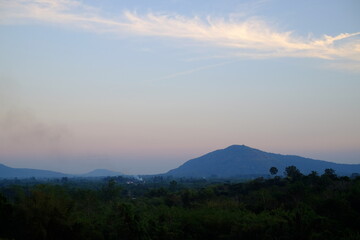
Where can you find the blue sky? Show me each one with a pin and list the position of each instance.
(143, 86)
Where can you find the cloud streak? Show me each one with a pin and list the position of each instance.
(252, 37)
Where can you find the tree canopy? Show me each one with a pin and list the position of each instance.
(294, 207)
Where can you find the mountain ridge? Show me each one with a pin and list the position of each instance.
(240, 160)
(232, 161)
(101, 173)
(7, 172)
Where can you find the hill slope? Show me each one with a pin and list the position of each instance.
(240, 160)
(8, 172)
(101, 173)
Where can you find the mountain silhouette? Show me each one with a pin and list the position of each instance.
(8, 172)
(101, 173)
(241, 160)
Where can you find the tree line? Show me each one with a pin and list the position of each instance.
(293, 206)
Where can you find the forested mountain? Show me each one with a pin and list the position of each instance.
(240, 160)
(8, 172)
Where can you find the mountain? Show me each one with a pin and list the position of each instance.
(8, 172)
(101, 173)
(241, 160)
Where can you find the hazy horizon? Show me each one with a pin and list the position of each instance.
(141, 87)
(137, 166)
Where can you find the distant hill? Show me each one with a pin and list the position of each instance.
(240, 160)
(8, 172)
(101, 173)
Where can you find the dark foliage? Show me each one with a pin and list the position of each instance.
(273, 170)
(295, 207)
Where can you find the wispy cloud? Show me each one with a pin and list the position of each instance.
(252, 37)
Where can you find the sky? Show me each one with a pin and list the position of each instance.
(142, 86)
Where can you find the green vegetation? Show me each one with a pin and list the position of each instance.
(293, 207)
